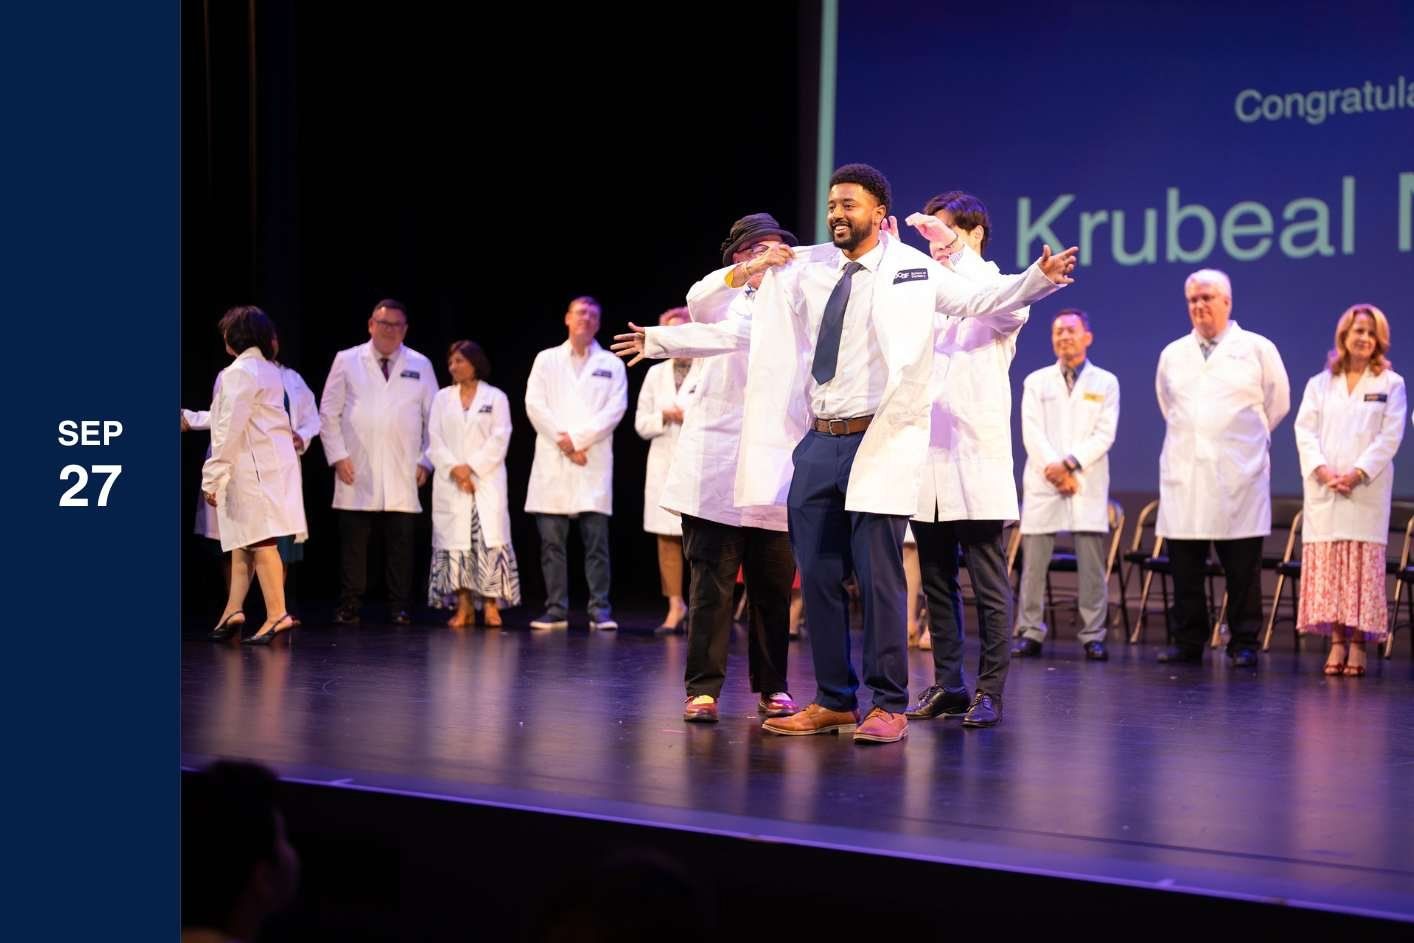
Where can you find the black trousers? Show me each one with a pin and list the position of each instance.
(938, 546)
(1242, 569)
(356, 528)
(714, 552)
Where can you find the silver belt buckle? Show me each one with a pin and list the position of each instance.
(830, 426)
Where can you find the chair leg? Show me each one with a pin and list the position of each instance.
(1143, 613)
(1123, 599)
(1272, 619)
(1394, 622)
(1217, 639)
(1296, 614)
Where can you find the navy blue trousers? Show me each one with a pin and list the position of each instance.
(830, 543)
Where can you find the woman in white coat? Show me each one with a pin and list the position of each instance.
(304, 421)
(468, 431)
(1349, 426)
(252, 477)
(666, 390)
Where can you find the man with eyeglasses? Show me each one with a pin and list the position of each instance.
(373, 417)
(1222, 390)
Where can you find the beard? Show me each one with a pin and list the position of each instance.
(851, 240)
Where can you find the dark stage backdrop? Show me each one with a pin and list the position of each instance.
(1274, 141)
(484, 170)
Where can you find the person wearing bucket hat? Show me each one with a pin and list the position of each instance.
(718, 537)
(754, 229)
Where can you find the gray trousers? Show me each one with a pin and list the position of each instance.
(1093, 587)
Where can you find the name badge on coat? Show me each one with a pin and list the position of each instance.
(1094, 397)
(485, 409)
(606, 374)
(1377, 397)
(411, 374)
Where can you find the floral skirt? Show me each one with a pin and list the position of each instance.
(482, 571)
(1343, 584)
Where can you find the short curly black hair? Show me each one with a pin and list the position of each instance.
(868, 178)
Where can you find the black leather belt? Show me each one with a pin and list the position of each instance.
(843, 426)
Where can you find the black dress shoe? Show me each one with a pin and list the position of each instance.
(938, 701)
(985, 711)
(1175, 654)
(346, 615)
(1096, 651)
(1243, 658)
(401, 617)
(1026, 648)
(280, 626)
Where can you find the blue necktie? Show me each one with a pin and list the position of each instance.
(827, 344)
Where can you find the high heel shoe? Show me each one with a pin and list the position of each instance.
(1355, 671)
(283, 624)
(227, 628)
(1333, 667)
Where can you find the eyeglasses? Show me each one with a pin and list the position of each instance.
(391, 325)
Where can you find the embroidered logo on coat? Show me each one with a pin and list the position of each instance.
(1377, 397)
(411, 375)
(606, 374)
(485, 409)
(911, 275)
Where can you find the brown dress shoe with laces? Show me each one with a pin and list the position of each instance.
(814, 719)
(881, 727)
(700, 710)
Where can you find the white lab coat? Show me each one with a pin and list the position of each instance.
(1056, 424)
(888, 467)
(658, 393)
(1345, 431)
(702, 478)
(1215, 467)
(477, 437)
(253, 469)
(304, 417)
(587, 405)
(969, 474)
(379, 425)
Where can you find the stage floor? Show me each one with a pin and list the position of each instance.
(1280, 785)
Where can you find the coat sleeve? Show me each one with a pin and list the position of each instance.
(537, 398)
(698, 340)
(304, 412)
(601, 425)
(648, 416)
(1097, 444)
(972, 267)
(1308, 428)
(491, 454)
(440, 453)
(1161, 390)
(1377, 455)
(710, 299)
(956, 295)
(1039, 447)
(1276, 387)
(229, 416)
(331, 411)
(429, 392)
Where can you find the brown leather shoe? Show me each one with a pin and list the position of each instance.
(699, 711)
(779, 704)
(814, 719)
(882, 727)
